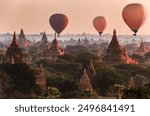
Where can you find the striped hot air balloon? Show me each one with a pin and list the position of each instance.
(134, 16)
(58, 22)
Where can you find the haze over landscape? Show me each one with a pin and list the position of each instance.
(33, 15)
(74, 49)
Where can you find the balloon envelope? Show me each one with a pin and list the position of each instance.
(134, 16)
(100, 24)
(58, 22)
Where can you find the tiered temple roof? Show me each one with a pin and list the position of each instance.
(22, 41)
(41, 78)
(55, 49)
(116, 54)
(141, 50)
(14, 51)
(44, 42)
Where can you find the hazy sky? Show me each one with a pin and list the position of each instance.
(33, 15)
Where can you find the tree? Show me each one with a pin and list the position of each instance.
(6, 84)
(132, 69)
(105, 79)
(137, 93)
(140, 59)
(71, 70)
(84, 58)
(22, 77)
(147, 56)
(53, 92)
(67, 57)
(140, 80)
(118, 90)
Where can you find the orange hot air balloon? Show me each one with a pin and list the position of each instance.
(134, 16)
(58, 22)
(100, 24)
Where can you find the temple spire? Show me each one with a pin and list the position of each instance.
(84, 83)
(114, 42)
(22, 35)
(41, 67)
(14, 41)
(12, 61)
(79, 42)
(91, 68)
(114, 32)
(131, 83)
(22, 32)
(125, 51)
(44, 38)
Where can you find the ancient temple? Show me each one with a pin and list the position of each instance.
(14, 52)
(41, 78)
(85, 83)
(79, 42)
(86, 42)
(91, 69)
(55, 49)
(44, 42)
(131, 83)
(2, 54)
(22, 41)
(116, 54)
(129, 60)
(141, 50)
(44, 46)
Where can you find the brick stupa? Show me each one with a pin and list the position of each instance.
(116, 54)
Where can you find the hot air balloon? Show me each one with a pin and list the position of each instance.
(100, 24)
(58, 22)
(134, 16)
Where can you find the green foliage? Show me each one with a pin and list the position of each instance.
(67, 57)
(132, 69)
(70, 69)
(140, 80)
(86, 93)
(139, 58)
(53, 92)
(118, 90)
(147, 56)
(65, 85)
(75, 50)
(136, 93)
(22, 76)
(84, 58)
(6, 84)
(105, 79)
(68, 85)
